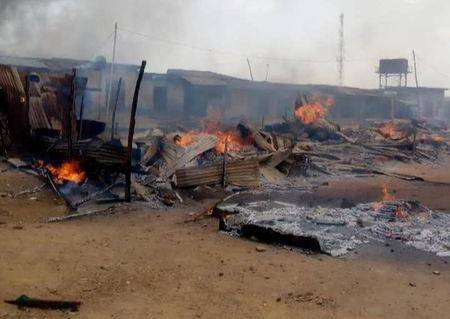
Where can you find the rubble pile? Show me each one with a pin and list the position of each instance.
(336, 231)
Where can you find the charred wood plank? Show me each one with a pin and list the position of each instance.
(131, 133)
(27, 302)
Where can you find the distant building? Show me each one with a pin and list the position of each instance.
(188, 95)
(181, 94)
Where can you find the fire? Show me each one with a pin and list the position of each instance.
(235, 142)
(393, 131)
(186, 139)
(387, 196)
(437, 138)
(431, 138)
(312, 111)
(68, 171)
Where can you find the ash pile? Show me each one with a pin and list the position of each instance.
(336, 231)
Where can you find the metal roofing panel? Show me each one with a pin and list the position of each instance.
(22, 62)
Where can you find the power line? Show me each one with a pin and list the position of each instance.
(104, 43)
(223, 52)
(431, 67)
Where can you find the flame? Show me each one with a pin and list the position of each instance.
(387, 196)
(393, 131)
(312, 111)
(68, 171)
(436, 138)
(235, 142)
(186, 139)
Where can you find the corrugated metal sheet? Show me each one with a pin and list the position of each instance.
(22, 62)
(38, 118)
(199, 77)
(241, 173)
(15, 96)
(10, 80)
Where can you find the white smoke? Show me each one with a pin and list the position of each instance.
(299, 39)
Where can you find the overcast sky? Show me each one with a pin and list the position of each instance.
(297, 38)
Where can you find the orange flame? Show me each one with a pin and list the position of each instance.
(393, 131)
(314, 110)
(235, 142)
(434, 138)
(68, 171)
(387, 196)
(186, 139)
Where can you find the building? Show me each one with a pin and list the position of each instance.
(182, 94)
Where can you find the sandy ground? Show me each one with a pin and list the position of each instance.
(151, 264)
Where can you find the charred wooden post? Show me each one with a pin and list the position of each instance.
(27, 302)
(131, 133)
(27, 94)
(57, 192)
(80, 130)
(69, 116)
(3, 132)
(414, 143)
(113, 120)
(224, 168)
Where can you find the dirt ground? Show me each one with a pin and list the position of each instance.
(151, 264)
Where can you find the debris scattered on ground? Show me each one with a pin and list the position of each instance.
(336, 231)
(27, 302)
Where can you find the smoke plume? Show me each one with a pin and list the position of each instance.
(297, 39)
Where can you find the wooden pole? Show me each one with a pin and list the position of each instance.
(250, 69)
(417, 82)
(2, 138)
(69, 115)
(27, 102)
(131, 133)
(113, 120)
(113, 64)
(80, 130)
(392, 107)
(224, 167)
(415, 69)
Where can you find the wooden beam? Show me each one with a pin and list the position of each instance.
(131, 133)
(113, 120)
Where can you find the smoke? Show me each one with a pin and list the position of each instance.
(298, 39)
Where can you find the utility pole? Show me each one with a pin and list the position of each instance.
(417, 87)
(111, 75)
(267, 71)
(415, 69)
(250, 69)
(341, 53)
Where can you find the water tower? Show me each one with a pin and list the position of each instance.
(393, 68)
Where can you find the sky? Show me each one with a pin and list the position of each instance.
(286, 40)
